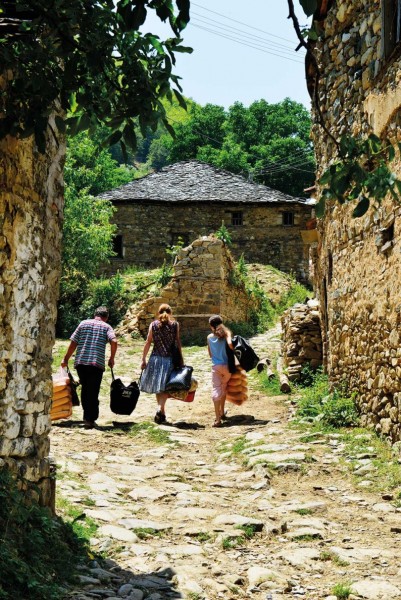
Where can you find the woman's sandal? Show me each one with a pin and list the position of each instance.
(217, 424)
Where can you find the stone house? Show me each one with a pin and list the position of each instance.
(191, 199)
(358, 261)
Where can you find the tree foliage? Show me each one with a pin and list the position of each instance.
(88, 58)
(269, 142)
(361, 174)
(87, 229)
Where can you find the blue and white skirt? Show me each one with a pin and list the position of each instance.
(156, 374)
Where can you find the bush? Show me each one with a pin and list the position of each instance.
(38, 553)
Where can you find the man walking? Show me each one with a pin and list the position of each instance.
(90, 339)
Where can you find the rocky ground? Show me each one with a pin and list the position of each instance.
(255, 510)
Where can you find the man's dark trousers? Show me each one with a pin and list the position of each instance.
(90, 378)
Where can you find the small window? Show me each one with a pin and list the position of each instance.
(237, 218)
(118, 247)
(391, 20)
(288, 218)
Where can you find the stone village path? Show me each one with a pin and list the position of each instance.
(314, 529)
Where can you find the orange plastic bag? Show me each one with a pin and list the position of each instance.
(61, 403)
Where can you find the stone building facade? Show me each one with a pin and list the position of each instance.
(190, 199)
(358, 260)
(201, 286)
(31, 203)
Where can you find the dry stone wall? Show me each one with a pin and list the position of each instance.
(31, 199)
(358, 261)
(302, 338)
(200, 287)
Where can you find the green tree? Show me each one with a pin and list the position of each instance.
(92, 168)
(88, 59)
(204, 128)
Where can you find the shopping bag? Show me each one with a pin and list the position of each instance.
(123, 398)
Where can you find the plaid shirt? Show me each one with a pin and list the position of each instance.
(92, 336)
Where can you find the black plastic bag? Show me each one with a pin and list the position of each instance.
(180, 379)
(246, 355)
(73, 387)
(123, 398)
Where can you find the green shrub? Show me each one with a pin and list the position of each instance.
(38, 553)
(333, 409)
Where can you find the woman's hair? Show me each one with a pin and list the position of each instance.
(164, 314)
(215, 321)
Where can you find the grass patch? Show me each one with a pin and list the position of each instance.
(327, 555)
(235, 447)
(303, 511)
(84, 527)
(204, 536)
(305, 538)
(341, 590)
(386, 475)
(153, 433)
(316, 404)
(38, 553)
(146, 532)
(249, 531)
(270, 386)
(232, 542)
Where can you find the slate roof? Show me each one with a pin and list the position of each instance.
(195, 181)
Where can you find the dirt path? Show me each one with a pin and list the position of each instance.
(253, 510)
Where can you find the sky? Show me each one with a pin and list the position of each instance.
(243, 51)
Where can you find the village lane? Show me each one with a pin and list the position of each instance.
(256, 509)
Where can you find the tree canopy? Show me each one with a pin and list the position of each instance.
(87, 58)
(269, 143)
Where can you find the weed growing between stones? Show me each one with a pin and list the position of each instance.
(270, 386)
(38, 552)
(154, 434)
(341, 590)
(232, 542)
(328, 555)
(304, 511)
(385, 474)
(146, 532)
(204, 536)
(249, 531)
(84, 527)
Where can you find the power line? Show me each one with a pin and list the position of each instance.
(277, 167)
(240, 22)
(246, 38)
(242, 32)
(246, 44)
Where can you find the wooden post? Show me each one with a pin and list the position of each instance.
(284, 381)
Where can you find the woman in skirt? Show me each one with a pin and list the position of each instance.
(164, 333)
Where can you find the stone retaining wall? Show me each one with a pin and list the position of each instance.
(302, 338)
(200, 287)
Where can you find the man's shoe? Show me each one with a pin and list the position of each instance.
(89, 424)
(160, 417)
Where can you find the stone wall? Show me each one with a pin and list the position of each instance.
(31, 197)
(358, 261)
(199, 288)
(147, 229)
(301, 338)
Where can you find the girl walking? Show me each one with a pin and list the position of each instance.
(220, 349)
(164, 333)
